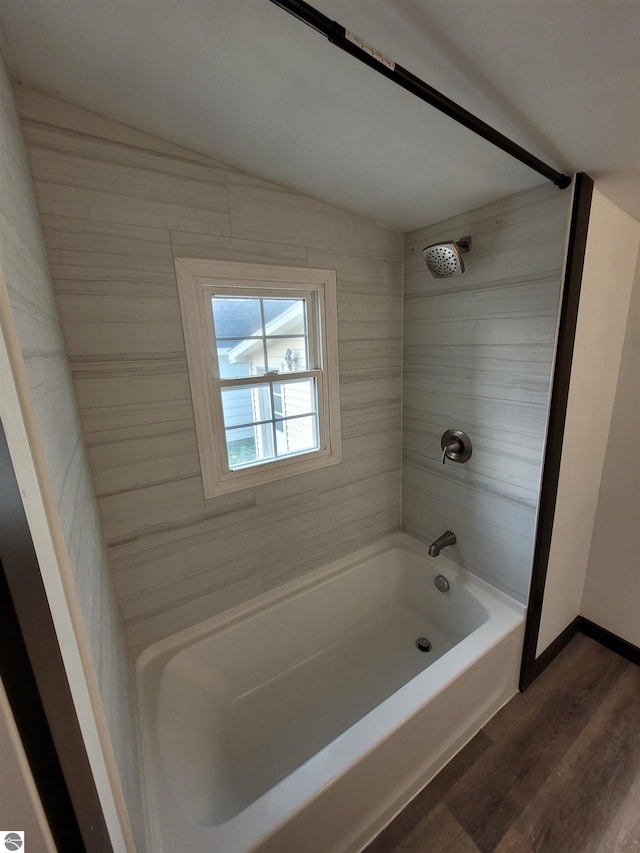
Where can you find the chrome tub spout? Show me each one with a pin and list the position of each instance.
(448, 538)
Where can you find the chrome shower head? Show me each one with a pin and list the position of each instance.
(444, 260)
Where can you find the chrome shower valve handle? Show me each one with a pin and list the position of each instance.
(456, 446)
(452, 446)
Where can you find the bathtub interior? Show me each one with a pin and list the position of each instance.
(264, 697)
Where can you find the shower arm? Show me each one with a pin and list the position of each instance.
(359, 49)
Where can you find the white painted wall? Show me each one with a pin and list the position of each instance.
(20, 806)
(40, 418)
(611, 595)
(609, 269)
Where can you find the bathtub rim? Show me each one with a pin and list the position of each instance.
(298, 585)
(261, 819)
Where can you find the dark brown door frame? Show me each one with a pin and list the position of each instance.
(532, 666)
(35, 679)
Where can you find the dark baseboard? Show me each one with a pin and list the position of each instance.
(552, 652)
(611, 641)
(580, 625)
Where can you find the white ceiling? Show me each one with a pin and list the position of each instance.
(248, 84)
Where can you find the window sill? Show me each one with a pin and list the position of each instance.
(236, 481)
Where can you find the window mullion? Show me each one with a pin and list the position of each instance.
(264, 339)
(273, 421)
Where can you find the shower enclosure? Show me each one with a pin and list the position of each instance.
(478, 357)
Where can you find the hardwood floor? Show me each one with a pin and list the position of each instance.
(556, 771)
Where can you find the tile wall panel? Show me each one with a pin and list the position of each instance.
(74, 513)
(117, 206)
(478, 352)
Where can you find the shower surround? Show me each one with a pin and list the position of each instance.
(478, 355)
(117, 206)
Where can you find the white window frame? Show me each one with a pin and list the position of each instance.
(198, 280)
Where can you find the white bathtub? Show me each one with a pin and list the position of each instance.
(305, 719)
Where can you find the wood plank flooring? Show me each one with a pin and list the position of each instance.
(556, 771)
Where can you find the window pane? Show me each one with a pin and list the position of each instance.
(257, 431)
(298, 435)
(278, 403)
(246, 404)
(236, 317)
(242, 343)
(241, 447)
(284, 316)
(240, 357)
(298, 397)
(250, 446)
(287, 355)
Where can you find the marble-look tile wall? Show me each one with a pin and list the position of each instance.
(478, 353)
(117, 206)
(61, 456)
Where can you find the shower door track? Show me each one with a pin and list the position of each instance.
(356, 47)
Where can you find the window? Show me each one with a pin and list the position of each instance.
(261, 347)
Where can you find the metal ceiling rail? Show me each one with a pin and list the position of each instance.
(356, 47)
